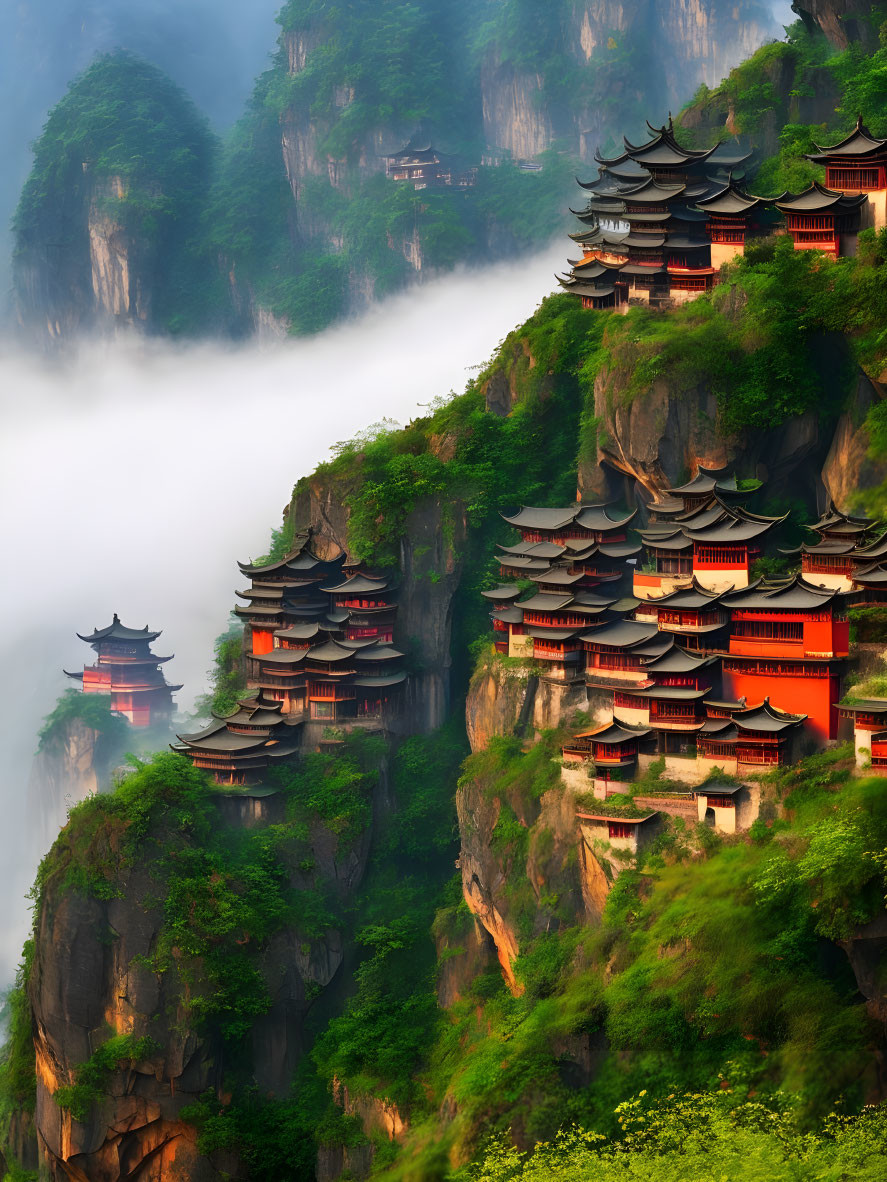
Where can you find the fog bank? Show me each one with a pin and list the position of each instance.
(134, 474)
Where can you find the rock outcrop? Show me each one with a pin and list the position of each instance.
(844, 22)
(92, 978)
(848, 467)
(508, 891)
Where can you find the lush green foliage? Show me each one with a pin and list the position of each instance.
(227, 678)
(224, 892)
(93, 710)
(18, 1079)
(498, 462)
(91, 1077)
(127, 139)
(702, 1136)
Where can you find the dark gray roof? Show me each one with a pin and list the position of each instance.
(859, 143)
(731, 201)
(553, 633)
(534, 549)
(358, 584)
(766, 718)
(501, 594)
(871, 576)
(380, 682)
(737, 530)
(613, 733)
(557, 576)
(795, 595)
(818, 197)
(542, 601)
(596, 517)
(540, 518)
(299, 632)
(377, 652)
(622, 634)
(283, 656)
(511, 615)
(668, 693)
(694, 596)
(679, 660)
(117, 631)
(330, 651)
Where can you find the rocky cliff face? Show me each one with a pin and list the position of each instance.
(509, 891)
(99, 276)
(429, 569)
(844, 22)
(649, 439)
(77, 762)
(678, 45)
(92, 978)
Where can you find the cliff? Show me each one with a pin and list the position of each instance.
(105, 224)
(167, 949)
(141, 221)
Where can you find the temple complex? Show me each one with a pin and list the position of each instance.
(237, 749)
(425, 168)
(660, 220)
(321, 635)
(696, 661)
(856, 165)
(127, 670)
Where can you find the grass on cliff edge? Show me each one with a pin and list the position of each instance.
(714, 962)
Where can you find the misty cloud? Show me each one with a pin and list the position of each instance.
(135, 473)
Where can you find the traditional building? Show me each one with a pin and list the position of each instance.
(284, 592)
(868, 717)
(733, 216)
(237, 749)
(744, 739)
(616, 654)
(575, 523)
(788, 643)
(130, 673)
(692, 612)
(869, 586)
(715, 544)
(646, 200)
(616, 838)
(609, 755)
(857, 164)
(321, 634)
(822, 219)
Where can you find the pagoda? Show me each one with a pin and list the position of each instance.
(647, 236)
(788, 642)
(822, 219)
(843, 546)
(733, 215)
(692, 612)
(126, 669)
(238, 748)
(285, 592)
(858, 164)
(739, 738)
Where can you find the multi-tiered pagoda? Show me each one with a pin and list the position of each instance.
(857, 165)
(321, 633)
(126, 669)
(238, 749)
(700, 531)
(661, 219)
(647, 200)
